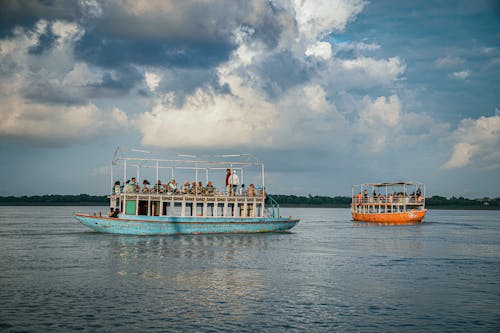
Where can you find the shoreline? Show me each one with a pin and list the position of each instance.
(105, 204)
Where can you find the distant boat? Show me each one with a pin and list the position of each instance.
(391, 203)
(167, 210)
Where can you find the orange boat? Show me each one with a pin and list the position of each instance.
(390, 203)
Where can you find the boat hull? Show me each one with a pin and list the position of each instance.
(391, 218)
(165, 225)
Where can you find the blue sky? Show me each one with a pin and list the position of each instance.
(327, 93)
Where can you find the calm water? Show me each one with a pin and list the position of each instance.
(329, 274)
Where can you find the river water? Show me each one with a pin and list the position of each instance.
(328, 274)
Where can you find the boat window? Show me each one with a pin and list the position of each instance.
(143, 208)
(199, 209)
(220, 209)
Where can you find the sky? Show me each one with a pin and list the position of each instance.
(327, 93)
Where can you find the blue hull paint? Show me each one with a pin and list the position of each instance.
(166, 225)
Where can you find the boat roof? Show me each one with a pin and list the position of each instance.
(144, 158)
(400, 183)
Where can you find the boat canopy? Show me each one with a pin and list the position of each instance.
(401, 183)
(202, 166)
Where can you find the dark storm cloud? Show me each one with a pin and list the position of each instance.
(120, 82)
(116, 52)
(45, 41)
(282, 72)
(44, 92)
(191, 34)
(25, 13)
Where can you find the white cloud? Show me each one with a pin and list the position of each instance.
(316, 19)
(119, 117)
(379, 71)
(476, 144)
(462, 75)
(57, 124)
(321, 50)
(359, 46)
(449, 61)
(152, 80)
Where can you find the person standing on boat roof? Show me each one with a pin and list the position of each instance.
(228, 187)
(234, 181)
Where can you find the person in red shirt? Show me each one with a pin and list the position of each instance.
(228, 174)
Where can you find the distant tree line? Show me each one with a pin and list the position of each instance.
(55, 199)
(341, 201)
(282, 199)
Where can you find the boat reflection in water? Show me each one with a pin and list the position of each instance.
(197, 271)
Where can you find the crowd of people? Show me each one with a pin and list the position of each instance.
(233, 187)
(395, 197)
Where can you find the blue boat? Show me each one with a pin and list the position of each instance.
(196, 207)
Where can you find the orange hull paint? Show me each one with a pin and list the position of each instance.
(392, 218)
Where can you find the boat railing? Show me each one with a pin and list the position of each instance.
(274, 209)
(418, 200)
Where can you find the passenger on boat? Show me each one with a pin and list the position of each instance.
(193, 188)
(186, 188)
(242, 190)
(116, 187)
(228, 186)
(135, 186)
(359, 198)
(145, 186)
(251, 190)
(111, 212)
(158, 188)
(209, 189)
(199, 188)
(172, 185)
(127, 188)
(115, 213)
(234, 181)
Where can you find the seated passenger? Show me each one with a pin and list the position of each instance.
(251, 190)
(186, 188)
(145, 186)
(242, 190)
(172, 187)
(127, 188)
(199, 188)
(111, 212)
(134, 185)
(193, 188)
(209, 189)
(116, 212)
(158, 188)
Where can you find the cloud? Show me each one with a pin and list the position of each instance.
(58, 125)
(449, 61)
(369, 71)
(152, 80)
(321, 50)
(42, 102)
(356, 46)
(316, 19)
(476, 144)
(462, 75)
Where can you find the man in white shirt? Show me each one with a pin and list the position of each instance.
(234, 181)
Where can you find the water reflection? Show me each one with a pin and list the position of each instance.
(189, 246)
